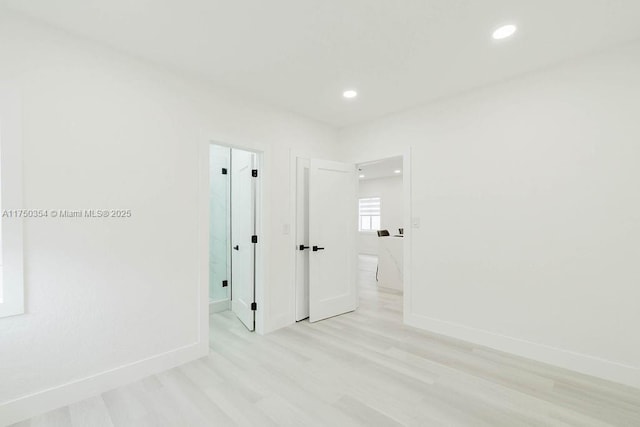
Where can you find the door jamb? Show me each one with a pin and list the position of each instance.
(293, 206)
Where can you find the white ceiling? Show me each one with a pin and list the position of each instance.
(383, 168)
(301, 54)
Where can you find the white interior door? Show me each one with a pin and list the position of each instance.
(302, 239)
(242, 229)
(333, 225)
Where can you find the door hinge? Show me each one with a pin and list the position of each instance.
(254, 306)
(225, 283)
(254, 239)
(254, 173)
(224, 171)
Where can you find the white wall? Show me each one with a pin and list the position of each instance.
(109, 300)
(527, 194)
(390, 192)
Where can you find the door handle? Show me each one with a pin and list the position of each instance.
(317, 248)
(236, 247)
(303, 247)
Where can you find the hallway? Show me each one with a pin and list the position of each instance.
(362, 368)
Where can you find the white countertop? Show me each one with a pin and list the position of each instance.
(390, 262)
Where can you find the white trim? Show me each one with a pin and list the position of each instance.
(281, 321)
(597, 367)
(65, 394)
(407, 248)
(262, 158)
(203, 247)
(219, 306)
(294, 155)
(298, 167)
(12, 269)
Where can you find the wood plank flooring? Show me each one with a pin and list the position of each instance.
(363, 368)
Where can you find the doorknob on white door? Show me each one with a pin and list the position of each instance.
(236, 247)
(317, 248)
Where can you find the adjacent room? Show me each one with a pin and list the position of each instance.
(381, 243)
(381, 219)
(319, 213)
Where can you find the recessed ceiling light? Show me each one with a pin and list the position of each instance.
(349, 94)
(397, 171)
(361, 176)
(504, 32)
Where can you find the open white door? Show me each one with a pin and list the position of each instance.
(333, 226)
(243, 227)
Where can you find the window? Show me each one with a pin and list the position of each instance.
(11, 273)
(369, 214)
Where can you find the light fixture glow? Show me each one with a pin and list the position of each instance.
(397, 171)
(349, 94)
(361, 176)
(504, 32)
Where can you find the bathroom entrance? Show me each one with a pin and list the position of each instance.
(233, 234)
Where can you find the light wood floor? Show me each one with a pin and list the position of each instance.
(362, 368)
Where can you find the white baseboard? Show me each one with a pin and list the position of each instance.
(280, 321)
(219, 306)
(46, 400)
(585, 364)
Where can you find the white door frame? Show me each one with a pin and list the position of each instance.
(293, 194)
(203, 236)
(299, 240)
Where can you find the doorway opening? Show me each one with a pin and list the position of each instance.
(381, 228)
(351, 235)
(233, 232)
